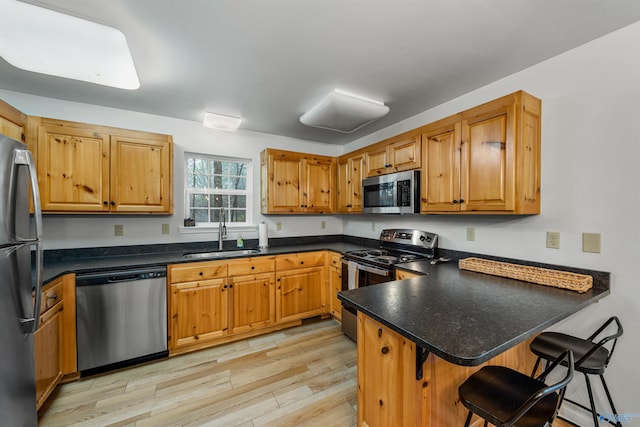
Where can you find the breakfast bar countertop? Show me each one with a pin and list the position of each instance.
(466, 317)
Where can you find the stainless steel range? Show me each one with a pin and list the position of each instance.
(374, 266)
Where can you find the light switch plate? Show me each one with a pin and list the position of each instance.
(278, 226)
(591, 242)
(118, 230)
(165, 229)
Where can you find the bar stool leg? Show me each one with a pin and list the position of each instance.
(466, 424)
(594, 414)
(535, 367)
(613, 408)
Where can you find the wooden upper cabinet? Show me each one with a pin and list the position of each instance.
(297, 182)
(73, 169)
(12, 122)
(87, 168)
(484, 160)
(350, 175)
(140, 178)
(400, 153)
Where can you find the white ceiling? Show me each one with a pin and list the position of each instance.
(269, 61)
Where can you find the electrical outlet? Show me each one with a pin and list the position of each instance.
(323, 224)
(471, 234)
(373, 226)
(165, 229)
(118, 230)
(553, 239)
(278, 226)
(591, 242)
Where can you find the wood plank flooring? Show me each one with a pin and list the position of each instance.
(304, 376)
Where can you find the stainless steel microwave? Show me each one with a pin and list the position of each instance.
(395, 193)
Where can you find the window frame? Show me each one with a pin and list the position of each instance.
(248, 193)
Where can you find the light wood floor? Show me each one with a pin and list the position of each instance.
(305, 376)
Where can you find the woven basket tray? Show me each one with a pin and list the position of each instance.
(542, 276)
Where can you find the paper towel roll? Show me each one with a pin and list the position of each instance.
(263, 239)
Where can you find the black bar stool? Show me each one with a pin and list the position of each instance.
(591, 358)
(504, 397)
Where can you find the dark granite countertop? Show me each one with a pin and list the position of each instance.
(60, 262)
(465, 317)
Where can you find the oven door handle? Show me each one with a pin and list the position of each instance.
(369, 269)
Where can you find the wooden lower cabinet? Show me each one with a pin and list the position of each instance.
(48, 353)
(335, 285)
(198, 311)
(403, 274)
(299, 293)
(213, 301)
(253, 302)
(389, 394)
(55, 340)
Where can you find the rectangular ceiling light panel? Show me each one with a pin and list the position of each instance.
(344, 112)
(44, 41)
(221, 122)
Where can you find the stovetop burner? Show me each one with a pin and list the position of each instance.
(397, 246)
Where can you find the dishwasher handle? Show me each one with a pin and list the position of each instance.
(107, 277)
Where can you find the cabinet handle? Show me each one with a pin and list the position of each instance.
(230, 286)
(461, 200)
(113, 203)
(253, 267)
(201, 273)
(455, 201)
(105, 203)
(379, 332)
(385, 350)
(301, 262)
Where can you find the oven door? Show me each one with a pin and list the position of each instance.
(356, 275)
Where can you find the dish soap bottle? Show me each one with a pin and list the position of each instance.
(240, 241)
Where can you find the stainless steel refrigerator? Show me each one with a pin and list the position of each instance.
(20, 235)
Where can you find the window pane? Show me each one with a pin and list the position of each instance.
(200, 215)
(214, 178)
(238, 201)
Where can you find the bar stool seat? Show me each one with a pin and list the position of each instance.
(591, 358)
(505, 397)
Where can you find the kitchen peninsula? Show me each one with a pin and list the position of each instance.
(420, 338)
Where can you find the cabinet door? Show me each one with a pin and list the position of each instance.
(284, 181)
(299, 293)
(377, 161)
(11, 129)
(12, 122)
(405, 154)
(140, 175)
(319, 187)
(350, 175)
(73, 169)
(198, 312)
(47, 351)
(388, 394)
(335, 286)
(487, 171)
(440, 190)
(253, 302)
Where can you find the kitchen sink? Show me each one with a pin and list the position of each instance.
(221, 254)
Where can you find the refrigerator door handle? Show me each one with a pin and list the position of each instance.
(24, 157)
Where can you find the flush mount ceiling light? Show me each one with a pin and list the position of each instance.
(221, 122)
(344, 112)
(48, 42)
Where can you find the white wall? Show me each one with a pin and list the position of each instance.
(590, 177)
(72, 231)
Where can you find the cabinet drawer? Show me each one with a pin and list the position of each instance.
(251, 266)
(192, 272)
(301, 260)
(51, 296)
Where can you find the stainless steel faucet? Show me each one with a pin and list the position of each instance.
(222, 229)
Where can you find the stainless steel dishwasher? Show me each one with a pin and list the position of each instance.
(121, 318)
